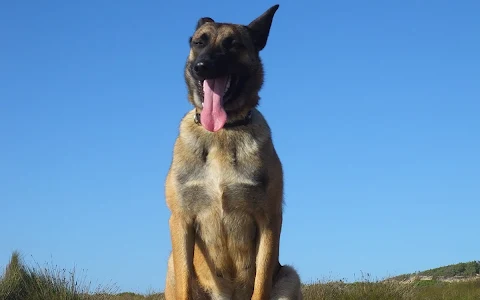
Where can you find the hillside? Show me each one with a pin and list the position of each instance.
(465, 270)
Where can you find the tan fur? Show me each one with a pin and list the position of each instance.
(225, 194)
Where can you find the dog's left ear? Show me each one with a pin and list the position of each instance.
(203, 21)
(260, 27)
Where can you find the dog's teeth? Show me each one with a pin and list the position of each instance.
(228, 85)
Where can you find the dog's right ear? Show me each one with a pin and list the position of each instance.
(203, 21)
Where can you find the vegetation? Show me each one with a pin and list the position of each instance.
(20, 282)
(468, 269)
(390, 290)
(462, 269)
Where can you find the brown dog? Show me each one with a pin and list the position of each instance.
(225, 185)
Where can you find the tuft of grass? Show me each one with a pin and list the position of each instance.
(20, 282)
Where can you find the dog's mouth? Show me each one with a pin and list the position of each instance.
(229, 92)
(215, 93)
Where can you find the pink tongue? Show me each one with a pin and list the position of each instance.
(213, 116)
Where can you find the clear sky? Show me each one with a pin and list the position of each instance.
(374, 108)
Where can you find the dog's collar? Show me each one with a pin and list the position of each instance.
(241, 122)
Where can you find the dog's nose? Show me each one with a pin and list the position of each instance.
(210, 66)
(201, 68)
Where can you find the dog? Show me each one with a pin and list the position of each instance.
(224, 187)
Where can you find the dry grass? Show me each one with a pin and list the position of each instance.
(52, 283)
(20, 282)
(389, 290)
(363, 289)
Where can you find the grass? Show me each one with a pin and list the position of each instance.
(393, 290)
(359, 290)
(20, 282)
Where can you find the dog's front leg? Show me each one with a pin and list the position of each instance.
(182, 235)
(267, 255)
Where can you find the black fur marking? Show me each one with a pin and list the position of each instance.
(194, 198)
(238, 197)
(262, 178)
(234, 154)
(205, 155)
(191, 171)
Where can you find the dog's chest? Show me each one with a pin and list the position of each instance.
(225, 178)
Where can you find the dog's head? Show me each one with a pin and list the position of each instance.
(224, 72)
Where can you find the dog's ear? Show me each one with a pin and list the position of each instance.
(260, 27)
(203, 21)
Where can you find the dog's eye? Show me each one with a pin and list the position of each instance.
(200, 42)
(230, 43)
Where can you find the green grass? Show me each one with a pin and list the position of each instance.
(359, 290)
(467, 269)
(367, 290)
(20, 282)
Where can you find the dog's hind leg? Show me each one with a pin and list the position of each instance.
(287, 285)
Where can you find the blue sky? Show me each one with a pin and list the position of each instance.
(374, 108)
